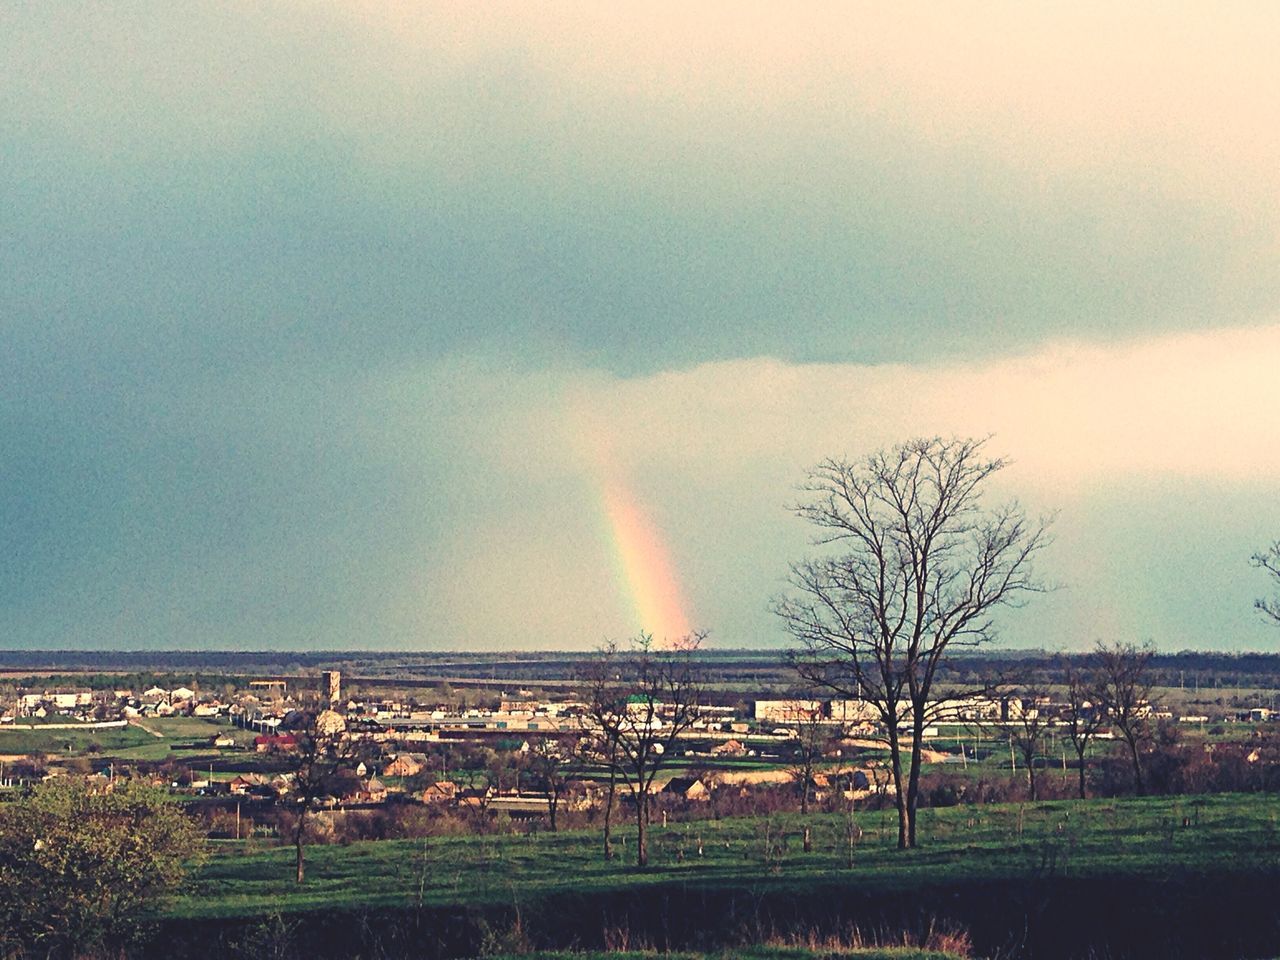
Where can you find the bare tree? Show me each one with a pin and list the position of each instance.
(1125, 692)
(640, 699)
(814, 740)
(594, 750)
(915, 565)
(1026, 725)
(547, 759)
(1269, 561)
(323, 753)
(1084, 713)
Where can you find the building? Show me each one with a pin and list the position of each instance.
(687, 788)
(787, 711)
(404, 765)
(332, 680)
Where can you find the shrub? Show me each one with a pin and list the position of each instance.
(80, 865)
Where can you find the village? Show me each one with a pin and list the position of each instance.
(518, 755)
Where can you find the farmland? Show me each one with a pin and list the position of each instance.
(155, 739)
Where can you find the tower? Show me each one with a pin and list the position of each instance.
(332, 688)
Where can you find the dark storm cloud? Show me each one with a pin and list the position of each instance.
(226, 230)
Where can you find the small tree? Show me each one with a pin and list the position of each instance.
(547, 760)
(1026, 726)
(1084, 713)
(81, 866)
(814, 740)
(323, 756)
(1125, 692)
(605, 751)
(639, 701)
(1269, 561)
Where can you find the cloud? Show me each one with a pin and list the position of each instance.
(1159, 455)
(637, 190)
(1195, 405)
(323, 319)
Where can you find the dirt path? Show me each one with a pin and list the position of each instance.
(927, 755)
(155, 733)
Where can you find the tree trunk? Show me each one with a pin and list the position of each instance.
(804, 794)
(1031, 776)
(1138, 784)
(553, 802)
(642, 827)
(913, 775)
(608, 816)
(299, 832)
(1080, 757)
(899, 795)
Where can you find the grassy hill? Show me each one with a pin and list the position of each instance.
(1148, 838)
(1174, 877)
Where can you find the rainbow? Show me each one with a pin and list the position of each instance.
(645, 571)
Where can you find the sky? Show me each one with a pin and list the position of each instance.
(451, 326)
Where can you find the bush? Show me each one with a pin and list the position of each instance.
(81, 864)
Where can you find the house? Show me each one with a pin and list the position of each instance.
(281, 784)
(224, 741)
(404, 765)
(474, 796)
(271, 742)
(246, 782)
(69, 700)
(442, 791)
(730, 748)
(787, 711)
(182, 693)
(687, 788)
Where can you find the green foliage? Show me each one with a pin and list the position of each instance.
(80, 865)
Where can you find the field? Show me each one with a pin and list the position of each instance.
(114, 741)
(1147, 838)
(152, 739)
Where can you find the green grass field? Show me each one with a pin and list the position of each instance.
(110, 741)
(1147, 838)
(156, 738)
